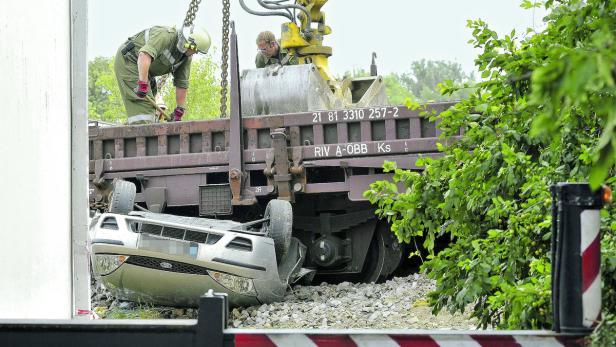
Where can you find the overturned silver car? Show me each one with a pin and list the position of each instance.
(171, 260)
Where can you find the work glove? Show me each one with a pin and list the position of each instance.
(178, 113)
(142, 89)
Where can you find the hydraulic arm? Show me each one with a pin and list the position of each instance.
(303, 35)
(308, 86)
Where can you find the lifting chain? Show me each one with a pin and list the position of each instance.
(225, 57)
(192, 12)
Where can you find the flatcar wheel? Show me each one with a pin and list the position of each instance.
(374, 263)
(375, 260)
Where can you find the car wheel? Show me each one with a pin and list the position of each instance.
(280, 225)
(122, 197)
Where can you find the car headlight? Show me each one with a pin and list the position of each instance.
(104, 264)
(236, 284)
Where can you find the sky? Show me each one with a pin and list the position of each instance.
(399, 31)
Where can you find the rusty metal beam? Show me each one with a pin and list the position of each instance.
(237, 175)
(268, 122)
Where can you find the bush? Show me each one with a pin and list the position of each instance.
(544, 113)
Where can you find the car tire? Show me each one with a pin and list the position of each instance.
(280, 225)
(122, 197)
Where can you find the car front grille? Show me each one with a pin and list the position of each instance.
(166, 265)
(176, 233)
(197, 236)
(173, 233)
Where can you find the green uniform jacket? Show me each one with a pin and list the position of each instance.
(262, 61)
(161, 44)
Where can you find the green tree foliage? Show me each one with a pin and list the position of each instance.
(425, 76)
(396, 92)
(544, 113)
(105, 102)
(203, 100)
(578, 76)
(422, 82)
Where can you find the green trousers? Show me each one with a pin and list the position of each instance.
(127, 75)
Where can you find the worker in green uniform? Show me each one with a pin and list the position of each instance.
(156, 51)
(270, 51)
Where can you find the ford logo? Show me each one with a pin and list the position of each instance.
(166, 265)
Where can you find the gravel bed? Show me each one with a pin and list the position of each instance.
(399, 303)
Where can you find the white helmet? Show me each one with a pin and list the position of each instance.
(194, 38)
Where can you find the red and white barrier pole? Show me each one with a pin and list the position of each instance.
(576, 256)
(590, 249)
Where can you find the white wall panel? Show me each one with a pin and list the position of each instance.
(35, 154)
